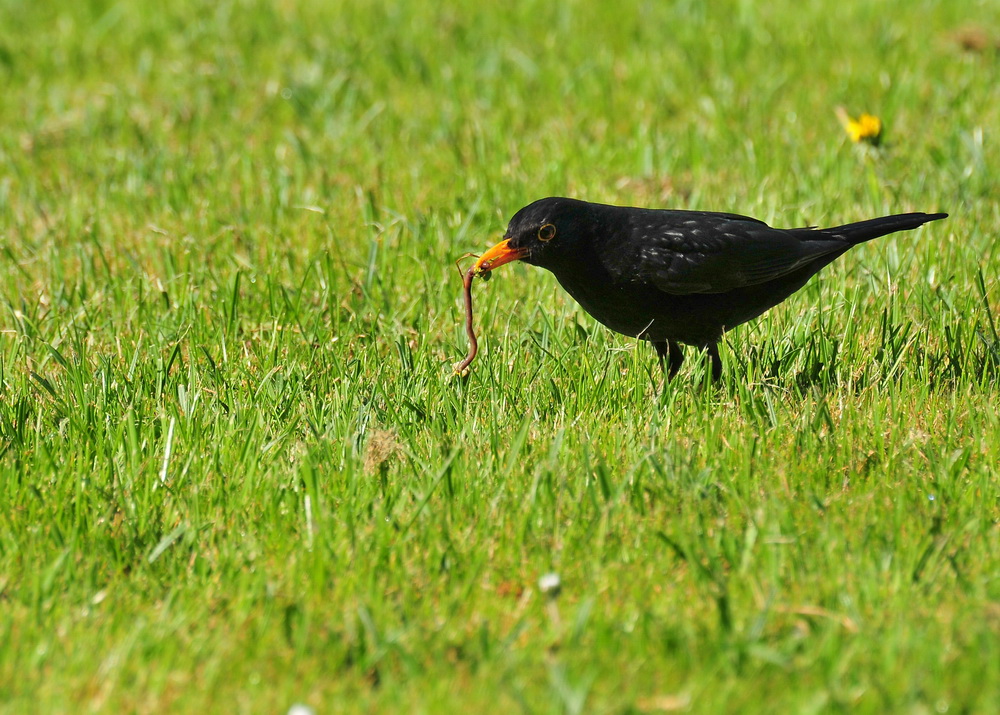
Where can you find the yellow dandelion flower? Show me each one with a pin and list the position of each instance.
(866, 128)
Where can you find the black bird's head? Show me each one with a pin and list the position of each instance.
(547, 233)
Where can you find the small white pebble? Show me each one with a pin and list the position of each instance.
(549, 584)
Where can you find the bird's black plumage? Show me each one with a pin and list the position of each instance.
(674, 277)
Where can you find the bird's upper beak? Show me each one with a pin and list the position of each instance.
(497, 256)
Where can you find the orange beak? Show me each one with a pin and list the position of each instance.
(497, 256)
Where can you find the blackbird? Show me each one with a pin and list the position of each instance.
(673, 277)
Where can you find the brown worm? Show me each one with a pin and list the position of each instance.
(469, 329)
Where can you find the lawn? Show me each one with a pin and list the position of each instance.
(237, 472)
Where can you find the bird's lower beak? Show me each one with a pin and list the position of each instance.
(497, 256)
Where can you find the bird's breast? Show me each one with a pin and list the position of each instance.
(623, 307)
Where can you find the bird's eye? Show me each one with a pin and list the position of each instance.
(546, 232)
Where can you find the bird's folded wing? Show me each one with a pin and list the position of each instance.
(716, 257)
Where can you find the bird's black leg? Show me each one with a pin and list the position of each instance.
(662, 352)
(671, 357)
(713, 352)
(676, 357)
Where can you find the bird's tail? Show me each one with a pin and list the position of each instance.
(873, 228)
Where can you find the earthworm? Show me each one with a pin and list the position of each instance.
(461, 367)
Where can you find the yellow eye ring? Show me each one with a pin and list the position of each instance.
(546, 233)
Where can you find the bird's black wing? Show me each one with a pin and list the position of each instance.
(694, 252)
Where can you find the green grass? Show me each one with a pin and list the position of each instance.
(236, 473)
